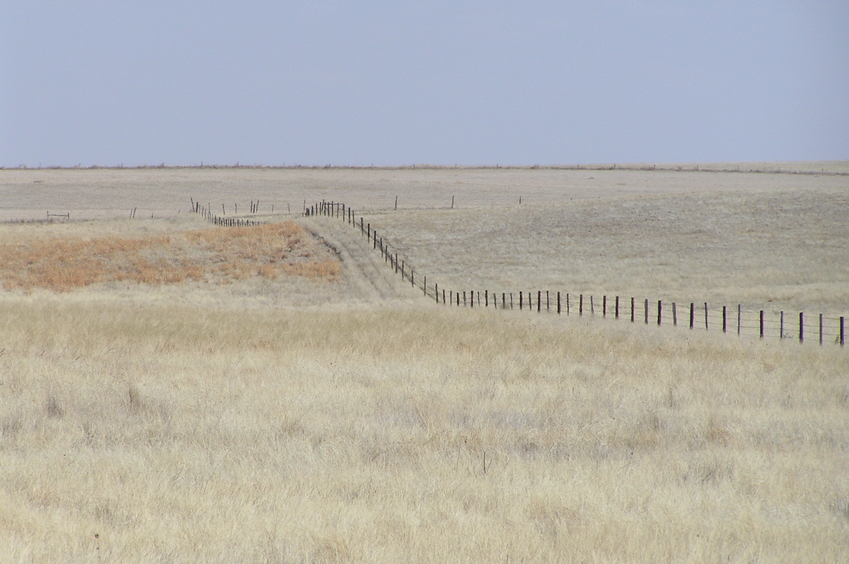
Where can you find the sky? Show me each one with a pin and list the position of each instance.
(388, 83)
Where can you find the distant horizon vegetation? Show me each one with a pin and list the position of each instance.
(695, 166)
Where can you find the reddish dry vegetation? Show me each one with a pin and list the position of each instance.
(217, 255)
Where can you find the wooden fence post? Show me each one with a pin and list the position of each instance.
(659, 311)
(473, 297)
(616, 307)
(762, 324)
(486, 298)
(706, 316)
(580, 305)
(781, 327)
(539, 301)
(567, 304)
(436, 292)
(547, 301)
(739, 314)
(692, 316)
(820, 329)
(521, 300)
(504, 300)
(801, 327)
(723, 320)
(558, 302)
(842, 340)
(646, 309)
(604, 306)
(632, 309)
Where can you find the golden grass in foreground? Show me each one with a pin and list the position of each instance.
(219, 255)
(419, 435)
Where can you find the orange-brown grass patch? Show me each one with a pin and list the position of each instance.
(218, 255)
(315, 269)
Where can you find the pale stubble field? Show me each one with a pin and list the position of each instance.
(158, 424)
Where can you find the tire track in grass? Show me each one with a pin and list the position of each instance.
(369, 277)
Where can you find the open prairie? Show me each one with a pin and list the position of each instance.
(171, 391)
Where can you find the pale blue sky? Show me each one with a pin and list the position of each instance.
(390, 83)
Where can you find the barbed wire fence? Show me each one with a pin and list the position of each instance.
(760, 323)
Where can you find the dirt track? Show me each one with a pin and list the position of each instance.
(369, 279)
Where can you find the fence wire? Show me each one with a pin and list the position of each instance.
(745, 322)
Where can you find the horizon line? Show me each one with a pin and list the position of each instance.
(776, 167)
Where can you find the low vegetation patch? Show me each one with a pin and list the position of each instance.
(212, 255)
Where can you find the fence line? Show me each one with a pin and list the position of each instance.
(759, 323)
(206, 213)
(49, 218)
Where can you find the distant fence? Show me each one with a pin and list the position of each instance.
(759, 323)
(207, 214)
(50, 218)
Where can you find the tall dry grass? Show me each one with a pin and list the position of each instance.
(194, 425)
(156, 434)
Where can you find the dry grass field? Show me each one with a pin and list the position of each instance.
(167, 192)
(276, 394)
(787, 250)
(62, 264)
